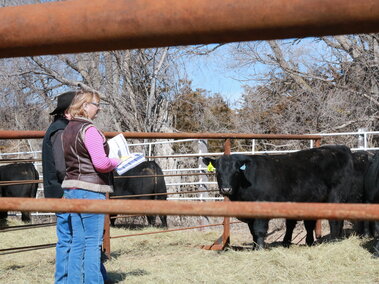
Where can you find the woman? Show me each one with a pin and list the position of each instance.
(88, 176)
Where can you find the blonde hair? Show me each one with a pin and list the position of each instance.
(81, 98)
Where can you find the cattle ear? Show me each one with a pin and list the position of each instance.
(243, 165)
(209, 161)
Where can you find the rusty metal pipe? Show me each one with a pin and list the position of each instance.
(82, 26)
(18, 182)
(230, 209)
(20, 134)
(171, 230)
(27, 248)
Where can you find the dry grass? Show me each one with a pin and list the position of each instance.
(176, 258)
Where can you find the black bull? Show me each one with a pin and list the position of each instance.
(371, 195)
(139, 185)
(316, 175)
(15, 172)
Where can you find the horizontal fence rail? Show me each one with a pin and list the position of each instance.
(38, 134)
(172, 230)
(96, 25)
(291, 210)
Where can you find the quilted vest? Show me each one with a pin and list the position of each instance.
(80, 172)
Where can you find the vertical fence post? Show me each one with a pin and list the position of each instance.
(107, 233)
(223, 240)
(203, 148)
(318, 228)
(226, 233)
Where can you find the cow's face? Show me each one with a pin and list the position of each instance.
(229, 172)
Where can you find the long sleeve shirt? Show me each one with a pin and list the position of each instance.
(93, 141)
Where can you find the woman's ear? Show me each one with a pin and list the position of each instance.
(85, 107)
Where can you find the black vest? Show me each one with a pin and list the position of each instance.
(51, 185)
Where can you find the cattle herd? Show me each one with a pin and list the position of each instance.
(329, 174)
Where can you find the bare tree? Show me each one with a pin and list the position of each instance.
(135, 84)
(311, 85)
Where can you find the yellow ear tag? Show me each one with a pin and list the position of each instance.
(211, 168)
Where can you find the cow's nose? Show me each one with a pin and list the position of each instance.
(226, 190)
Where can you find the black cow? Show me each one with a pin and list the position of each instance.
(316, 175)
(143, 185)
(362, 161)
(371, 190)
(14, 172)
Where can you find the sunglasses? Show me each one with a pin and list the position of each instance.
(95, 104)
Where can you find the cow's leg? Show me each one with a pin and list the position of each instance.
(359, 227)
(163, 221)
(112, 220)
(3, 215)
(151, 220)
(310, 226)
(335, 229)
(368, 228)
(372, 228)
(25, 217)
(260, 228)
(290, 226)
(376, 239)
(250, 223)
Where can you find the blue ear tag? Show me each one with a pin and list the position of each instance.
(243, 167)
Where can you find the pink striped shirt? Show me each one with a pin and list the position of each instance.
(94, 144)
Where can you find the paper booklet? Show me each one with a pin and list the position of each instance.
(119, 149)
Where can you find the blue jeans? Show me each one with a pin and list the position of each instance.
(84, 264)
(62, 249)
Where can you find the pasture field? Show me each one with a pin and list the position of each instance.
(175, 257)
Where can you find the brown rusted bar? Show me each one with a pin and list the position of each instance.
(20, 181)
(161, 194)
(107, 233)
(224, 239)
(82, 26)
(26, 248)
(20, 134)
(318, 228)
(26, 227)
(301, 211)
(184, 135)
(171, 230)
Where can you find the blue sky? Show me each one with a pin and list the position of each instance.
(210, 72)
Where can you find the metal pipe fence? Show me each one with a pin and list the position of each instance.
(82, 26)
(293, 210)
(227, 150)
